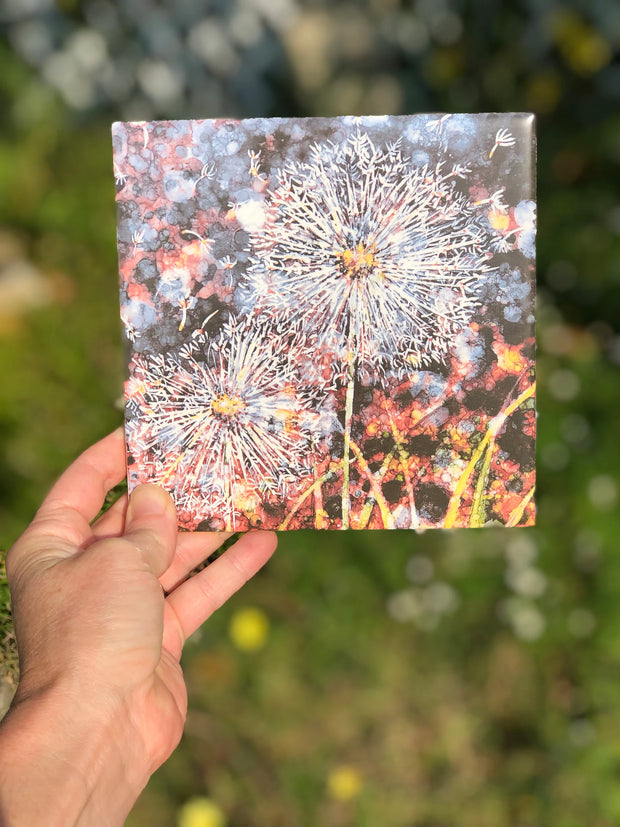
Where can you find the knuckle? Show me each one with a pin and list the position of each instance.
(11, 562)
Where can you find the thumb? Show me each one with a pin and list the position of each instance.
(151, 526)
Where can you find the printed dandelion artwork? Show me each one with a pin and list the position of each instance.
(330, 321)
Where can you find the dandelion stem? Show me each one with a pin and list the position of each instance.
(230, 514)
(348, 418)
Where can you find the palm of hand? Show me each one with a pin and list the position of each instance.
(89, 606)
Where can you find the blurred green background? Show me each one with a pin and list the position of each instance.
(393, 679)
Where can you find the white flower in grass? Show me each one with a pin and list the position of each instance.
(367, 252)
(215, 432)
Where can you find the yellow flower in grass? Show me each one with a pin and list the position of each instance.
(200, 812)
(344, 783)
(249, 629)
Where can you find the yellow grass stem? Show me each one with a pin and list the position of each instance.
(318, 482)
(478, 515)
(515, 517)
(415, 521)
(494, 427)
(386, 515)
(368, 506)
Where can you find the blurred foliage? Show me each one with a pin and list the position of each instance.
(455, 678)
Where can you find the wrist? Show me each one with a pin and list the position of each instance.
(63, 763)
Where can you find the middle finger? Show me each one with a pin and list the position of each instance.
(193, 548)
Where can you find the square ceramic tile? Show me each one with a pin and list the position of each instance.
(329, 322)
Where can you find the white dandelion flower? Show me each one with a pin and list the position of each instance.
(230, 424)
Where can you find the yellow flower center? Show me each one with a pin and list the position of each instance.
(359, 260)
(225, 405)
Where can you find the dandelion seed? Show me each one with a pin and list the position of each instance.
(188, 349)
(461, 170)
(496, 200)
(137, 237)
(207, 172)
(119, 178)
(502, 138)
(437, 124)
(254, 163)
(228, 264)
(502, 244)
(207, 243)
(186, 303)
(131, 331)
(199, 334)
(393, 148)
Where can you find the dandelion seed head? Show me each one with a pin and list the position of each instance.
(364, 248)
(213, 431)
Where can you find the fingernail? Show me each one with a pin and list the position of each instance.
(149, 500)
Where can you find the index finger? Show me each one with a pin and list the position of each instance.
(191, 603)
(77, 496)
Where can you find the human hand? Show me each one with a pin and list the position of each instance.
(101, 700)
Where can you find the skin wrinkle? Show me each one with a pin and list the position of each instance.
(182, 562)
(52, 524)
(236, 564)
(208, 592)
(113, 518)
(175, 648)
